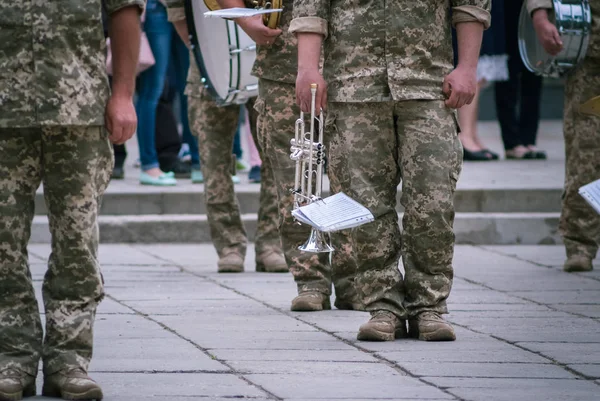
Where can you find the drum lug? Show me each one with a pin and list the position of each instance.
(234, 51)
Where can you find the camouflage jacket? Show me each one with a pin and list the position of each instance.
(386, 50)
(594, 44)
(53, 62)
(277, 62)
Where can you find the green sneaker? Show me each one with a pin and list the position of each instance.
(197, 177)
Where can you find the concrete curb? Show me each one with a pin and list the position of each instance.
(470, 228)
(507, 200)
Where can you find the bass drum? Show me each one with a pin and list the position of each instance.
(224, 53)
(573, 19)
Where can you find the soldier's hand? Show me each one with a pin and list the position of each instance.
(460, 87)
(547, 33)
(120, 119)
(303, 95)
(256, 29)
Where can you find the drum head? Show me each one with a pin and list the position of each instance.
(532, 52)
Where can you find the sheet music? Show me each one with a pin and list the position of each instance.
(334, 213)
(238, 12)
(591, 193)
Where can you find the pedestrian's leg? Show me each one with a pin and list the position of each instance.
(277, 115)
(20, 325)
(579, 222)
(269, 254)
(215, 128)
(431, 160)
(77, 164)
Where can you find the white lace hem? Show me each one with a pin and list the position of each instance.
(492, 68)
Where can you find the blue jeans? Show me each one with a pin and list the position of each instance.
(166, 47)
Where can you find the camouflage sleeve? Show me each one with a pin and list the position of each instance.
(472, 11)
(116, 5)
(310, 16)
(533, 5)
(175, 10)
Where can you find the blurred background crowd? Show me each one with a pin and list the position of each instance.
(166, 142)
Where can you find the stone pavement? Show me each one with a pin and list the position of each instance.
(172, 329)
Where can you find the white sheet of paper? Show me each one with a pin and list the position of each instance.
(239, 12)
(336, 212)
(591, 193)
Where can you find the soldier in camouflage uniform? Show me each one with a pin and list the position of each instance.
(57, 119)
(215, 128)
(276, 66)
(579, 222)
(391, 91)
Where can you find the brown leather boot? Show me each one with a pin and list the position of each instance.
(271, 262)
(430, 326)
(15, 385)
(73, 384)
(578, 263)
(383, 326)
(310, 302)
(231, 262)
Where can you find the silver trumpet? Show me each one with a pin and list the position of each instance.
(309, 157)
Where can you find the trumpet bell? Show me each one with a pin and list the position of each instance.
(316, 243)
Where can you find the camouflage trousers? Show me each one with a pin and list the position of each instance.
(579, 222)
(215, 128)
(74, 165)
(277, 115)
(373, 147)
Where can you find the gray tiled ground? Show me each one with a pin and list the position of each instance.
(171, 328)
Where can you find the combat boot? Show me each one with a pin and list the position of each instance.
(15, 385)
(430, 326)
(310, 302)
(271, 262)
(383, 326)
(231, 262)
(578, 263)
(72, 384)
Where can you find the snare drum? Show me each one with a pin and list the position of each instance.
(224, 53)
(573, 19)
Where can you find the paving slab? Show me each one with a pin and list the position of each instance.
(338, 356)
(312, 368)
(589, 370)
(478, 369)
(347, 387)
(173, 385)
(497, 389)
(566, 353)
(484, 354)
(165, 355)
